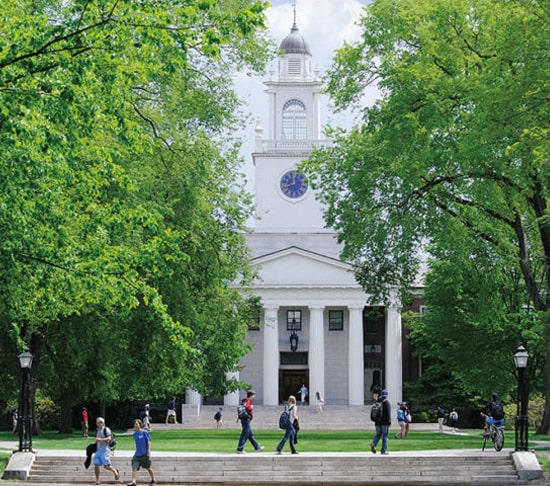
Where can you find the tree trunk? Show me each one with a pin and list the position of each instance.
(66, 425)
(545, 422)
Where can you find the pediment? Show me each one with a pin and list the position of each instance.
(296, 267)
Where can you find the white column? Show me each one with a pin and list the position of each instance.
(356, 365)
(316, 352)
(394, 355)
(271, 357)
(232, 399)
(193, 397)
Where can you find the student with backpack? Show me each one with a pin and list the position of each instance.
(287, 420)
(493, 413)
(218, 417)
(381, 416)
(246, 416)
(102, 457)
(453, 420)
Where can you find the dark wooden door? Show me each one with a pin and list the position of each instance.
(290, 382)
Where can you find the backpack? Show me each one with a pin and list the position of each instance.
(497, 412)
(284, 419)
(107, 431)
(217, 416)
(242, 412)
(453, 415)
(376, 412)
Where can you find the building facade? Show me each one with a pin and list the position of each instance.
(315, 325)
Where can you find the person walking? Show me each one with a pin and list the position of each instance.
(453, 419)
(382, 424)
(290, 432)
(218, 417)
(246, 432)
(14, 419)
(84, 422)
(440, 417)
(408, 418)
(303, 394)
(171, 412)
(102, 456)
(147, 417)
(142, 456)
(402, 421)
(319, 402)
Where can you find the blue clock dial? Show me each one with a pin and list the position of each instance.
(293, 184)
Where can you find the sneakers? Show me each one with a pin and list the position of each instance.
(278, 452)
(373, 448)
(152, 482)
(131, 484)
(385, 453)
(295, 452)
(240, 452)
(259, 449)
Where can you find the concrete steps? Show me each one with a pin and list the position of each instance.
(441, 468)
(334, 417)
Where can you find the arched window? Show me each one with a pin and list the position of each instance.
(294, 120)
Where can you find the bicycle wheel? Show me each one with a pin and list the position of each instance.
(498, 439)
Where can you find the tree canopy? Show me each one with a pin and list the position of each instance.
(121, 202)
(460, 133)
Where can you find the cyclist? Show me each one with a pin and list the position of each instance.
(493, 413)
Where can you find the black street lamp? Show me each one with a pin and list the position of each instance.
(522, 426)
(25, 415)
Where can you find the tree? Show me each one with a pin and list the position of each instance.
(475, 315)
(81, 85)
(460, 133)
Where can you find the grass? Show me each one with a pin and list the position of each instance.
(225, 440)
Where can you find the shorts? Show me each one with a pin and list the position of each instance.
(495, 422)
(102, 458)
(141, 461)
(171, 412)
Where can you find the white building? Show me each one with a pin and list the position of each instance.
(344, 346)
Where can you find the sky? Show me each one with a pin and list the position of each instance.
(325, 25)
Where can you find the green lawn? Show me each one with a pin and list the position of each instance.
(311, 441)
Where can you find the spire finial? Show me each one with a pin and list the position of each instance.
(294, 7)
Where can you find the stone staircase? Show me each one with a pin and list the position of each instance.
(439, 468)
(334, 417)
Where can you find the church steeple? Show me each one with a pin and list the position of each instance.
(295, 56)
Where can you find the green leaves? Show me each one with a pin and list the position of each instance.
(102, 104)
(457, 140)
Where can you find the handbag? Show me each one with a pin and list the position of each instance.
(296, 425)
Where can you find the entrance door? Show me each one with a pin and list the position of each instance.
(290, 382)
(373, 376)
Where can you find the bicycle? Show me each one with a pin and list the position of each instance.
(496, 434)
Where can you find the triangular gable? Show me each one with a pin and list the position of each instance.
(295, 266)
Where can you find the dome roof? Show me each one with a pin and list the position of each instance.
(294, 43)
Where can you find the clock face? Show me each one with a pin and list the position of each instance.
(293, 184)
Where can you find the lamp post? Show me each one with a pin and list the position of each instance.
(522, 426)
(25, 415)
